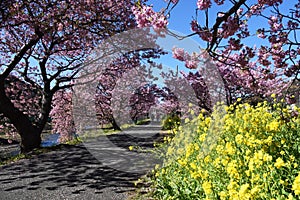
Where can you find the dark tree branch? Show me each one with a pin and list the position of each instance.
(222, 19)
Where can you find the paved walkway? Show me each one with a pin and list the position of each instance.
(73, 172)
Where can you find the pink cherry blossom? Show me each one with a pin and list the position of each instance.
(179, 53)
(203, 4)
(270, 2)
(145, 16)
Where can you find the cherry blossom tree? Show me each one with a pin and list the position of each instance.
(107, 90)
(112, 72)
(62, 115)
(247, 69)
(143, 99)
(44, 44)
(118, 82)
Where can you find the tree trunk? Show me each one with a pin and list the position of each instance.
(115, 125)
(30, 134)
(30, 140)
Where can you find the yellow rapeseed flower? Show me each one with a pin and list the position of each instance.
(232, 186)
(193, 165)
(229, 148)
(255, 190)
(196, 174)
(279, 163)
(239, 139)
(189, 150)
(273, 126)
(248, 152)
(186, 120)
(269, 140)
(243, 189)
(267, 157)
(273, 96)
(251, 165)
(207, 159)
(247, 172)
(296, 185)
(204, 175)
(202, 137)
(225, 161)
(207, 121)
(207, 187)
(222, 195)
(232, 169)
(196, 146)
(219, 149)
(265, 175)
(182, 162)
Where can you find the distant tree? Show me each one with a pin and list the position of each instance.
(62, 115)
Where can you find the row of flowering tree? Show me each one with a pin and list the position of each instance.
(44, 46)
(45, 43)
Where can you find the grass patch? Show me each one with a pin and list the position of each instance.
(35, 152)
(143, 122)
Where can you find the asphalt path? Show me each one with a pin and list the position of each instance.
(101, 168)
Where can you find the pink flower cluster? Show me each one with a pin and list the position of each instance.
(203, 4)
(255, 9)
(145, 16)
(191, 61)
(270, 2)
(246, 70)
(62, 115)
(230, 27)
(173, 1)
(234, 44)
(275, 23)
(261, 33)
(219, 2)
(205, 34)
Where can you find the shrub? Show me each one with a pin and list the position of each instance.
(171, 121)
(246, 153)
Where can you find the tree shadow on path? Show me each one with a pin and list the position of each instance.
(71, 172)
